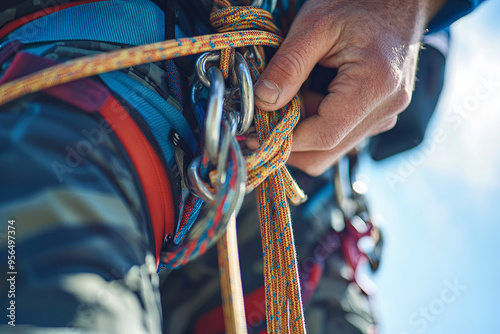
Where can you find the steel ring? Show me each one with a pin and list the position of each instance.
(252, 53)
(201, 63)
(214, 114)
(196, 185)
(246, 94)
(195, 92)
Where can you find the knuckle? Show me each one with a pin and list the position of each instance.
(397, 103)
(315, 170)
(387, 76)
(361, 40)
(387, 125)
(402, 99)
(289, 64)
(390, 79)
(328, 140)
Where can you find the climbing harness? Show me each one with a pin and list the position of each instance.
(221, 175)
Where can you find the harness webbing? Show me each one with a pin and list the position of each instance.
(266, 167)
(13, 25)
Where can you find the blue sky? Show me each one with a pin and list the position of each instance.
(440, 272)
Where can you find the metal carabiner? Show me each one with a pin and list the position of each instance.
(252, 53)
(195, 92)
(196, 185)
(214, 114)
(201, 64)
(246, 94)
(236, 188)
(229, 126)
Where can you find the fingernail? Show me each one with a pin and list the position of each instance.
(267, 91)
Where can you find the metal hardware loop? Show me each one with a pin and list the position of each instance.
(201, 64)
(214, 114)
(246, 94)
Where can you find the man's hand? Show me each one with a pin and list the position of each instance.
(374, 44)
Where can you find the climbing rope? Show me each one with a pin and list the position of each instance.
(265, 168)
(111, 61)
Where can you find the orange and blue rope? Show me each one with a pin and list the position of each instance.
(111, 61)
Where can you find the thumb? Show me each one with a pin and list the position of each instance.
(290, 67)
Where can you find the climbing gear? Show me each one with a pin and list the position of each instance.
(89, 66)
(146, 162)
(218, 177)
(357, 220)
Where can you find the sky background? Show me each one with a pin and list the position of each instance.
(441, 217)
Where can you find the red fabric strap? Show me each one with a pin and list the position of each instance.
(148, 166)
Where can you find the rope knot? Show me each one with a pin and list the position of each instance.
(225, 18)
